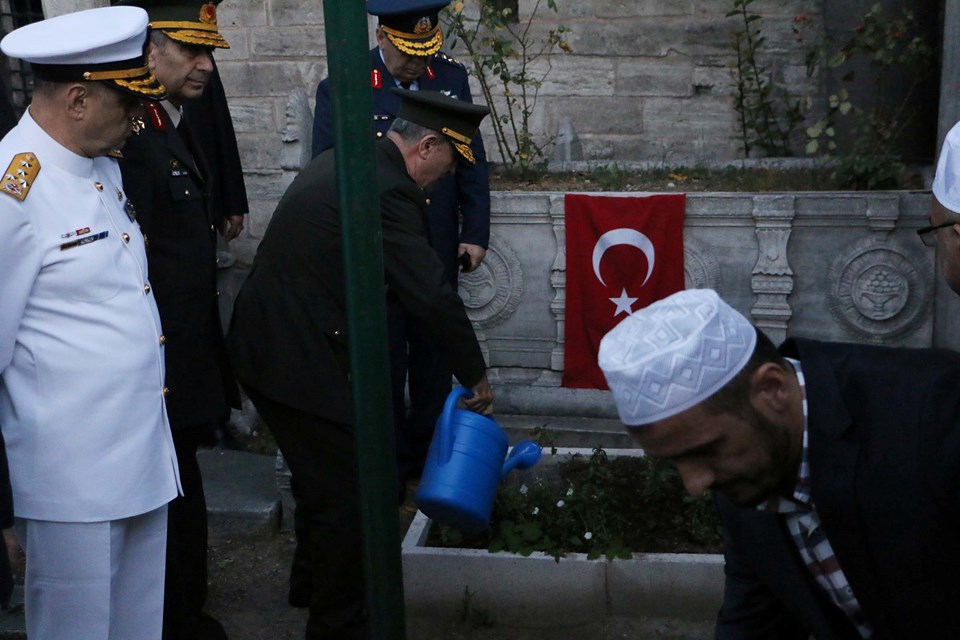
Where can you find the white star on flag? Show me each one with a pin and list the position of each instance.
(624, 303)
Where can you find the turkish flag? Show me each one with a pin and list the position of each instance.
(623, 253)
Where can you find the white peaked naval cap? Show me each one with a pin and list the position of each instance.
(104, 44)
(946, 182)
(674, 354)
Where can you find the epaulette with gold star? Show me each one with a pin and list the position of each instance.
(20, 175)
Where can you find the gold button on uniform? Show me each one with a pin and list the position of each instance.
(166, 391)
(145, 240)
(163, 339)
(428, 202)
(125, 236)
(379, 134)
(146, 288)
(98, 186)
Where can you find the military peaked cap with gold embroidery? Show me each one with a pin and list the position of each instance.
(187, 21)
(413, 26)
(456, 119)
(103, 44)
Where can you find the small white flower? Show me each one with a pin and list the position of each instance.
(588, 535)
(535, 511)
(560, 504)
(523, 489)
(569, 492)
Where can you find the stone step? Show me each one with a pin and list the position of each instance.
(241, 491)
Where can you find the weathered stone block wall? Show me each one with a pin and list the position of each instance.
(648, 79)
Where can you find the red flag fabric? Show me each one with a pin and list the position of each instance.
(623, 253)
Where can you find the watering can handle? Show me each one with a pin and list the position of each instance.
(445, 422)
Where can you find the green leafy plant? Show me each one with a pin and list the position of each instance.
(600, 506)
(767, 115)
(503, 48)
(890, 44)
(610, 177)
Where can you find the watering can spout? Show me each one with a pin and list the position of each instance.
(523, 455)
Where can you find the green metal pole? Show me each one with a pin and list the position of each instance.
(347, 53)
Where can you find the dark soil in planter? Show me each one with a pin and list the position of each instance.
(595, 505)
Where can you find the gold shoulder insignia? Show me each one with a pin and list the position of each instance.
(116, 154)
(20, 175)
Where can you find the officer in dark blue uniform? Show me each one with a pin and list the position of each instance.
(407, 55)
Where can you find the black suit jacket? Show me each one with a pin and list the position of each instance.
(212, 128)
(884, 448)
(288, 337)
(459, 208)
(165, 181)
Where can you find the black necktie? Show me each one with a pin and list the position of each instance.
(405, 85)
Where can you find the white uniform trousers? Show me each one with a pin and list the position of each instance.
(97, 580)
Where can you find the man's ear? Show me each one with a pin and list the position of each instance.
(428, 143)
(151, 53)
(76, 100)
(769, 388)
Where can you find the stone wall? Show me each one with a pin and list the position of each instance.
(648, 80)
(833, 266)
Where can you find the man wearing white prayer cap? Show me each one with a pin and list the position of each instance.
(944, 229)
(836, 467)
(82, 409)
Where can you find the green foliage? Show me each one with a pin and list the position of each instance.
(890, 45)
(503, 48)
(767, 115)
(610, 177)
(605, 508)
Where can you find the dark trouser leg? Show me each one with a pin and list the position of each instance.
(397, 340)
(185, 584)
(301, 576)
(429, 387)
(321, 455)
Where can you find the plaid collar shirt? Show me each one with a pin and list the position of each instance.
(803, 523)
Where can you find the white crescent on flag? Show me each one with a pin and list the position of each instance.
(626, 236)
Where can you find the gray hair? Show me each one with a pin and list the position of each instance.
(411, 132)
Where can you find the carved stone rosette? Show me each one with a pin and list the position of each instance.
(493, 292)
(880, 289)
(700, 269)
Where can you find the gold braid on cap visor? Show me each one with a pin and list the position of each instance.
(149, 86)
(189, 32)
(143, 81)
(410, 44)
(461, 143)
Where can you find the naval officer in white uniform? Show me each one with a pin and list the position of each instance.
(92, 464)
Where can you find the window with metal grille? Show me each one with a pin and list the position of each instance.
(16, 74)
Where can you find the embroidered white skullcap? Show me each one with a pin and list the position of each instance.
(674, 354)
(946, 183)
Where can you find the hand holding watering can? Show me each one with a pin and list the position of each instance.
(464, 466)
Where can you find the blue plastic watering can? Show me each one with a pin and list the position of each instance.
(465, 464)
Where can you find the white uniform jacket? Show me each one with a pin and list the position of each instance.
(81, 355)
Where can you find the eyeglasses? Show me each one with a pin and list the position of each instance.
(930, 239)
